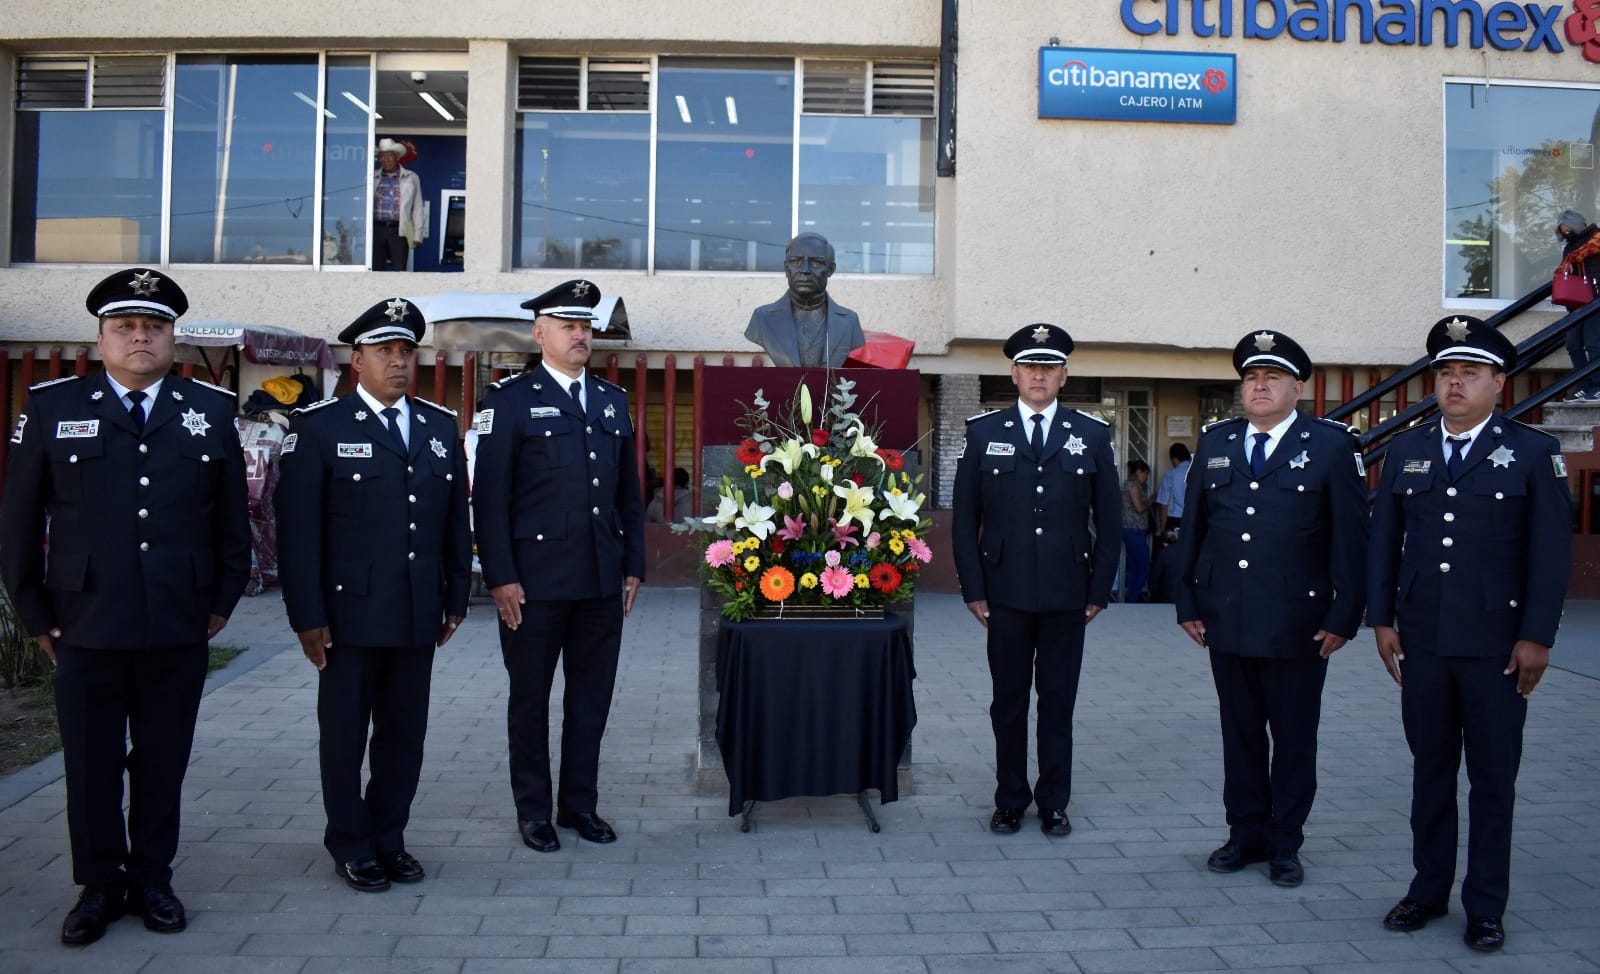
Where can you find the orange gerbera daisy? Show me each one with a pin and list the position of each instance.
(777, 583)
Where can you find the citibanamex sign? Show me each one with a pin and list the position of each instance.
(1504, 26)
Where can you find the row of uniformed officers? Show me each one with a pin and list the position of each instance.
(133, 480)
(1461, 568)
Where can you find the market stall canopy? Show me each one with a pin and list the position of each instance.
(261, 344)
(469, 321)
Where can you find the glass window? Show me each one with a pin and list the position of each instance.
(345, 137)
(244, 153)
(86, 184)
(866, 183)
(583, 189)
(724, 163)
(1515, 157)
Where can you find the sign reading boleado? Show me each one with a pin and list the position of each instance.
(1137, 86)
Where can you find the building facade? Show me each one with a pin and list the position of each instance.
(1383, 164)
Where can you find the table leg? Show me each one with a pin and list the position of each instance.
(749, 818)
(866, 809)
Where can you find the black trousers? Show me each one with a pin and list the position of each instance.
(1450, 704)
(106, 698)
(1268, 786)
(584, 636)
(1024, 648)
(386, 688)
(389, 248)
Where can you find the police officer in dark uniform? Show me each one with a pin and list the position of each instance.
(560, 529)
(1037, 532)
(134, 479)
(1471, 550)
(1270, 561)
(375, 554)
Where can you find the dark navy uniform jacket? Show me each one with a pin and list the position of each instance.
(1467, 567)
(373, 543)
(556, 493)
(1038, 534)
(148, 536)
(1267, 561)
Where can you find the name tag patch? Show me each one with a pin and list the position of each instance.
(289, 443)
(22, 424)
(1216, 463)
(1557, 461)
(77, 429)
(1001, 450)
(543, 412)
(1416, 466)
(355, 450)
(486, 422)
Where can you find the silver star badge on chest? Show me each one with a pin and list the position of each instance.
(1299, 462)
(195, 423)
(144, 283)
(97, 395)
(361, 415)
(611, 411)
(1009, 424)
(438, 448)
(396, 309)
(1305, 435)
(1076, 446)
(1502, 457)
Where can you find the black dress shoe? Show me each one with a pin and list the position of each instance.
(539, 836)
(1053, 821)
(1485, 934)
(1006, 820)
(1409, 915)
(162, 911)
(363, 875)
(97, 907)
(1286, 870)
(1234, 856)
(591, 827)
(401, 866)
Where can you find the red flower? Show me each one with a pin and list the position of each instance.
(913, 566)
(892, 460)
(748, 452)
(738, 586)
(884, 577)
(819, 437)
(856, 479)
(777, 545)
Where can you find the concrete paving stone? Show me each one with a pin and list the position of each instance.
(1147, 961)
(530, 965)
(394, 926)
(630, 870)
(1210, 935)
(978, 922)
(563, 887)
(59, 960)
(903, 903)
(1270, 955)
(1129, 918)
(232, 963)
(476, 945)
(771, 945)
(1559, 963)
(382, 965)
(547, 925)
(832, 923)
(211, 920)
(852, 965)
(626, 946)
(318, 945)
(1082, 938)
(719, 925)
(759, 870)
(625, 905)
(917, 943)
(713, 965)
(1009, 964)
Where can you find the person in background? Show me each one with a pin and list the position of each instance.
(1169, 499)
(1136, 530)
(1580, 254)
(654, 512)
(397, 224)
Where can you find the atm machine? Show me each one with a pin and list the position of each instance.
(452, 237)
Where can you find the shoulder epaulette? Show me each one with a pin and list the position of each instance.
(226, 392)
(974, 419)
(509, 379)
(1535, 429)
(1352, 430)
(314, 406)
(52, 382)
(1091, 416)
(602, 383)
(1219, 422)
(443, 409)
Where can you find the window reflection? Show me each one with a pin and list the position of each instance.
(1514, 159)
(867, 185)
(583, 190)
(87, 186)
(244, 159)
(724, 163)
(344, 164)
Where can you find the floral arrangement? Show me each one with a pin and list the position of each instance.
(822, 515)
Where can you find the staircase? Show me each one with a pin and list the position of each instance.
(1572, 423)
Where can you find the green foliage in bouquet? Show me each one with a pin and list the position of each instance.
(822, 516)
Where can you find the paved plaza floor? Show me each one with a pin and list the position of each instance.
(811, 889)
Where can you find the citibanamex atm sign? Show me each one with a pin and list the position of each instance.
(1137, 86)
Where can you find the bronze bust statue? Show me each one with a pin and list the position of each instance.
(805, 327)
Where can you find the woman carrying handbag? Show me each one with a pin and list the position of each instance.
(1573, 287)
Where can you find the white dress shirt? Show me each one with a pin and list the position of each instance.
(403, 420)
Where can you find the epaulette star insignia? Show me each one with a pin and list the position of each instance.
(361, 415)
(97, 395)
(177, 396)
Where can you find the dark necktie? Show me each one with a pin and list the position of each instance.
(1258, 453)
(575, 389)
(392, 420)
(1458, 452)
(137, 412)
(1037, 439)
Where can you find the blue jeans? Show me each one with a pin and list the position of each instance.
(1137, 572)
(1583, 345)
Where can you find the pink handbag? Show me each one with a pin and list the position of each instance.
(1571, 290)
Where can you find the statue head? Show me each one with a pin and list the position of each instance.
(808, 263)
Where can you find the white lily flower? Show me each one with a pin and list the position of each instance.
(857, 505)
(827, 473)
(902, 505)
(727, 510)
(788, 455)
(861, 444)
(756, 519)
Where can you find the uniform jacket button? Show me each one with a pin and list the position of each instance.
(1448, 517)
(73, 458)
(1250, 510)
(1038, 530)
(1444, 566)
(1449, 492)
(596, 511)
(1447, 542)
(144, 481)
(1243, 563)
(1245, 536)
(411, 556)
(449, 476)
(144, 448)
(411, 498)
(1513, 603)
(538, 537)
(591, 454)
(338, 588)
(1254, 485)
(356, 477)
(144, 512)
(144, 546)
(595, 481)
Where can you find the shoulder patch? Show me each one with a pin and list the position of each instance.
(443, 409)
(1348, 428)
(508, 380)
(1220, 422)
(1092, 417)
(53, 382)
(215, 388)
(973, 419)
(314, 406)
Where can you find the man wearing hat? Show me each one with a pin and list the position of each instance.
(134, 481)
(1471, 551)
(1270, 582)
(375, 555)
(397, 221)
(560, 527)
(1037, 532)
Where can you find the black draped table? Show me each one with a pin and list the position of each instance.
(813, 707)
